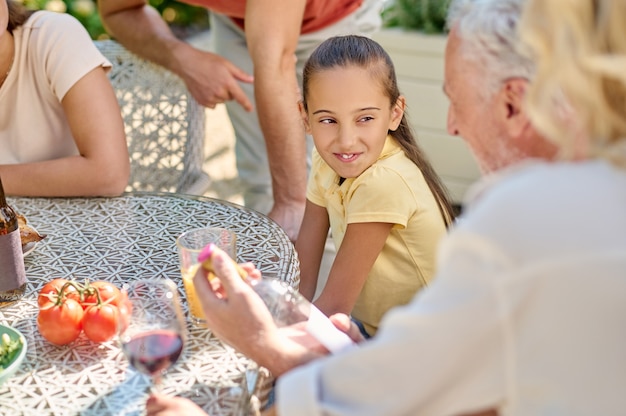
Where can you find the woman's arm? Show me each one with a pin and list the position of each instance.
(361, 246)
(310, 246)
(102, 167)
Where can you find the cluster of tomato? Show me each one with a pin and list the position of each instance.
(67, 308)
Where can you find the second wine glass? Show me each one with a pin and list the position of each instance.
(153, 336)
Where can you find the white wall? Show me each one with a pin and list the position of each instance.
(419, 66)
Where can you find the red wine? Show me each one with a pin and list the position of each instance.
(154, 351)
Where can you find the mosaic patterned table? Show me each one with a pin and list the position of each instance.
(121, 239)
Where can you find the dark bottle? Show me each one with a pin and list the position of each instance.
(12, 274)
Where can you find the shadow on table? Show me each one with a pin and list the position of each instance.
(129, 398)
(216, 399)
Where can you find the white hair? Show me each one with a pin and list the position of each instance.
(488, 33)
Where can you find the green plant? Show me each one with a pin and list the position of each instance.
(182, 18)
(428, 16)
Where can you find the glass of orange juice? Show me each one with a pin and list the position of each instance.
(190, 244)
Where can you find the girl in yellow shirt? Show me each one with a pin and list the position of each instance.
(370, 184)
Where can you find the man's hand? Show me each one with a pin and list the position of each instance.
(289, 217)
(235, 313)
(211, 79)
(238, 316)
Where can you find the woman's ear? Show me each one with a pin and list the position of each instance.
(305, 117)
(397, 112)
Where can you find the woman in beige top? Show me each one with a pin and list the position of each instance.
(61, 130)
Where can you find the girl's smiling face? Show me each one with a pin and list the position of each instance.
(349, 116)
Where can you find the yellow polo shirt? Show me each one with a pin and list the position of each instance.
(392, 190)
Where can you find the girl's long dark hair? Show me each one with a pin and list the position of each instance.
(353, 50)
(18, 14)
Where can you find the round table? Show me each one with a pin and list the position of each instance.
(121, 239)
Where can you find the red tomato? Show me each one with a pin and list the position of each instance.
(50, 291)
(60, 323)
(109, 293)
(100, 322)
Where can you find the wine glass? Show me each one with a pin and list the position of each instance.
(153, 334)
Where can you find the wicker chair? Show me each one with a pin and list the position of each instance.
(164, 124)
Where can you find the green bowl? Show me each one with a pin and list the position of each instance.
(16, 357)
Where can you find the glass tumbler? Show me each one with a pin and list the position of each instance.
(190, 244)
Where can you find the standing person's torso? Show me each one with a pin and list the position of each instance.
(317, 14)
(52, 52)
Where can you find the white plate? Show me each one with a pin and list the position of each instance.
(29, 247)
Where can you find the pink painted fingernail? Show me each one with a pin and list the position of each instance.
(206, 252)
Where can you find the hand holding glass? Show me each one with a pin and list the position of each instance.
(153, 338)
(190, 244)
(287, 305)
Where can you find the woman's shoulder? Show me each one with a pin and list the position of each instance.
(52, 30)
(60, 49)
(48, 20)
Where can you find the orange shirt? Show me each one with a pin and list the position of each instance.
(317, 15)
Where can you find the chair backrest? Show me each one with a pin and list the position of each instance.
(165, 126)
